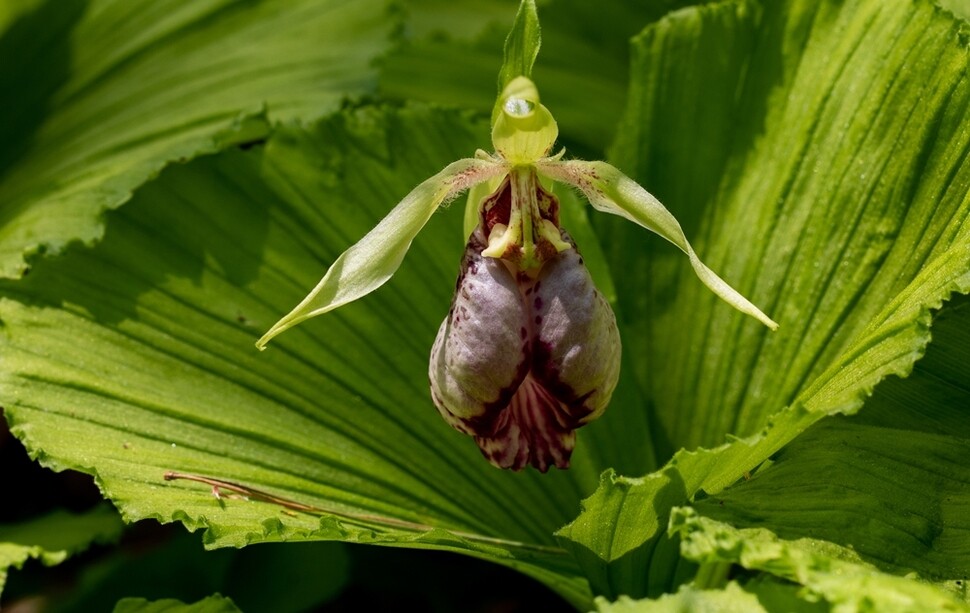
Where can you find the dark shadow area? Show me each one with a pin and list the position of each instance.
(383, 579)
(942, 374)
(35, 57)
(628, 438)
(30, 490)
(156, 561)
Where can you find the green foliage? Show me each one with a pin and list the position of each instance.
(212, 604)
(175, 178)
(287, 578)
(827, 571)
(853, 275)
(731, 599)
(53, 537)
(329, 417)
(127, 88)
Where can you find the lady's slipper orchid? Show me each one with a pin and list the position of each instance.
(525, 356)
(529, 351)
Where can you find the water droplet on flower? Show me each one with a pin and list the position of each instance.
(518, 107)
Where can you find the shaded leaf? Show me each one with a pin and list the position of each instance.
(156, 563)
(104, 93)
(575, 218)
(374, 259)
(11, 10)
(457, 19)
(212, 604)
(582, 72)
(52, 538)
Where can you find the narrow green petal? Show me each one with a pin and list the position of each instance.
(371, 262)
(610, 191)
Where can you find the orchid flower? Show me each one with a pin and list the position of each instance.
(529, 351)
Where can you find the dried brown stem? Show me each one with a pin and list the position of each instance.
(248, 493)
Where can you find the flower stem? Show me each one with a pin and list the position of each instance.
(712, 575)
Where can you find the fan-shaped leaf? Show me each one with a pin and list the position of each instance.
(99, 95)
(830, 185)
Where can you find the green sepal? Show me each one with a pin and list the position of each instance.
(521, 50)
(610, 191)
(373, 260)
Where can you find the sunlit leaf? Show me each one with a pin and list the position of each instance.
(731, 599)
(891, 482)
(829, 184)
(610, 191)
(814, 153)
(841, 197)
(826, 570)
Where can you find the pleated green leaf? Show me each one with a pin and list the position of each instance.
(827, 571)
(839, 159)
(99, 95)
(54, 537)
(892, 482)
(815, 155)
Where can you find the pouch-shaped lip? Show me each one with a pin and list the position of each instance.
(521, 362)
